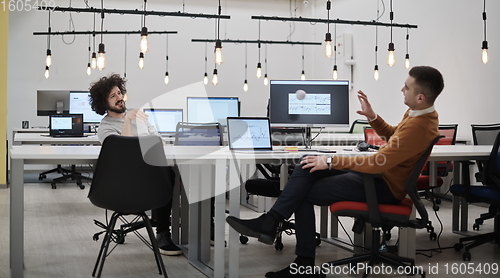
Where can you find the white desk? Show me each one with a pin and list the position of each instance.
(44, 138)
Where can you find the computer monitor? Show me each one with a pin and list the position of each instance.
(326, 103)
(165, 120)
(79, 104)
(212, 109)
(49, 102)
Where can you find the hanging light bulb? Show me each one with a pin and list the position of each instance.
(218, 57)
(101, 57)
(205, 79)
(47, 73)
(266, 80)
(259, 70)
(335, 73)
(375, 73)
(245, 86)
(215, 79)
(391, 59)
(93, 62)
(48, 61)
(407, 61)
(89, 70)
(167, 78)
(303, 76)
(144, 46)
(484, 53)
(141, 60)
(328, 45)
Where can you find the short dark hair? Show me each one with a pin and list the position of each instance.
(429, 80)
(100, 90)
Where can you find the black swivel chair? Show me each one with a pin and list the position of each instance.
(130, 178)
(488, 193)
(67, 174)
(358, 126)
(484, 134)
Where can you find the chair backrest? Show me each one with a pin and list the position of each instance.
(492, 166)
(484, 134)
(372, 138)
(358, 125)
(449, 131)
(198, 134)
(131, 175)
(411, 186)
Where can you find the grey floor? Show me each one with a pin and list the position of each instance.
(59, 228)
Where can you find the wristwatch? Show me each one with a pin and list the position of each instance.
(329, 162)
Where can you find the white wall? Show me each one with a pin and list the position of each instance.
(448, 37)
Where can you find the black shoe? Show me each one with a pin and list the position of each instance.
(263, 228)
(166, 245)
(288, 272)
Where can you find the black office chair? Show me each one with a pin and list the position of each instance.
(484, 134)
(67, 174)
(384, 217)
(130, 178)
(358, 126)
(489, 193)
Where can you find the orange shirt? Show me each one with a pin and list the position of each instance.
(406, 143)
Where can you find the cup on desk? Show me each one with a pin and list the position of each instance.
(25, 124)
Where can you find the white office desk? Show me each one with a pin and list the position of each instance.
(43, 138)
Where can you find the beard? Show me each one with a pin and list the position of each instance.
(118, 109)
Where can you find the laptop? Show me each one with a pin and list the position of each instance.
(249, 134)
(66, 125)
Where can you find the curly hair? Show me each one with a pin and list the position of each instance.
(100, 90)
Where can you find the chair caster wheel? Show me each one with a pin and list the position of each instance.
(438, 201)
(475, 227)
(435, 208)
(278, 246)
(458, 246)
(82, 187)
(53, 184)
(41, 177)
(433, 236)
(120, 239)
(479, 221)
(243, 239)
(388, 236)
(466, 256)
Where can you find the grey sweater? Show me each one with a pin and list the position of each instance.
(110, 125)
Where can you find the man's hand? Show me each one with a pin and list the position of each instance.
(136, 114)
(315, 162)
(366, 107)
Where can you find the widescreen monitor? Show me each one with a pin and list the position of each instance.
(212, 109)
(165, 120)
(326, 103)
(79, 104)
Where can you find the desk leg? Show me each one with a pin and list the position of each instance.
(234, 210)
(220, 210)
(407, 238)
(17, 219)
(192, 190)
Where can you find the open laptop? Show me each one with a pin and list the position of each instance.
(66, 125)
(165, 120)
(249, 134)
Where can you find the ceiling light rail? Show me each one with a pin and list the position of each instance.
(257, 41)
(339, 21)
(137, 12)
(99, 32)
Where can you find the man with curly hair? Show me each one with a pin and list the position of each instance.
(108, 96)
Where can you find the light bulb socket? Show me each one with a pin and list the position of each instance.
(328, 37)
(303, 72)
(407, 56)
(218, 44)
(485, 45)
(94, 55)
(141, 55)
(391, 46)
(46, 67)
(101, 48)
(88, 65)
(376, 67)
(328, 5)
(144, 31)
(335, 67)
(246, 82)
(49, 52)
(259, 65)
(166, 73)
(265, 75)
(215, 71)
(206, 75)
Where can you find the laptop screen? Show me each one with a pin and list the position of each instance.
(249, 133)
(66, 125)
(165, 120)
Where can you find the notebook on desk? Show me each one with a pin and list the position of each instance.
(249, 134)
(66, 125)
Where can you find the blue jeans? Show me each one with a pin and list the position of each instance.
(323, 188)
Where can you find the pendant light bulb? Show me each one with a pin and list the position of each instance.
(328, 45)
(391, 59)
(205, 79)
(218, 57)
(93, 62)
(303, 76)
(375, 73)
(167, 78)
(144, 46)
(141, 60)
(335, 75)
(89, 69)
(266, 80)
(48, 61)
(407, 61)
(245, 86)
(484, 53)
(215, 79)
(101, 57)
(47, 73)
(259, 70)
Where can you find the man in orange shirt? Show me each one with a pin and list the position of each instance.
(321, 180)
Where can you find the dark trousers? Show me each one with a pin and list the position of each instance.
(161, 215)
(304, 190)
